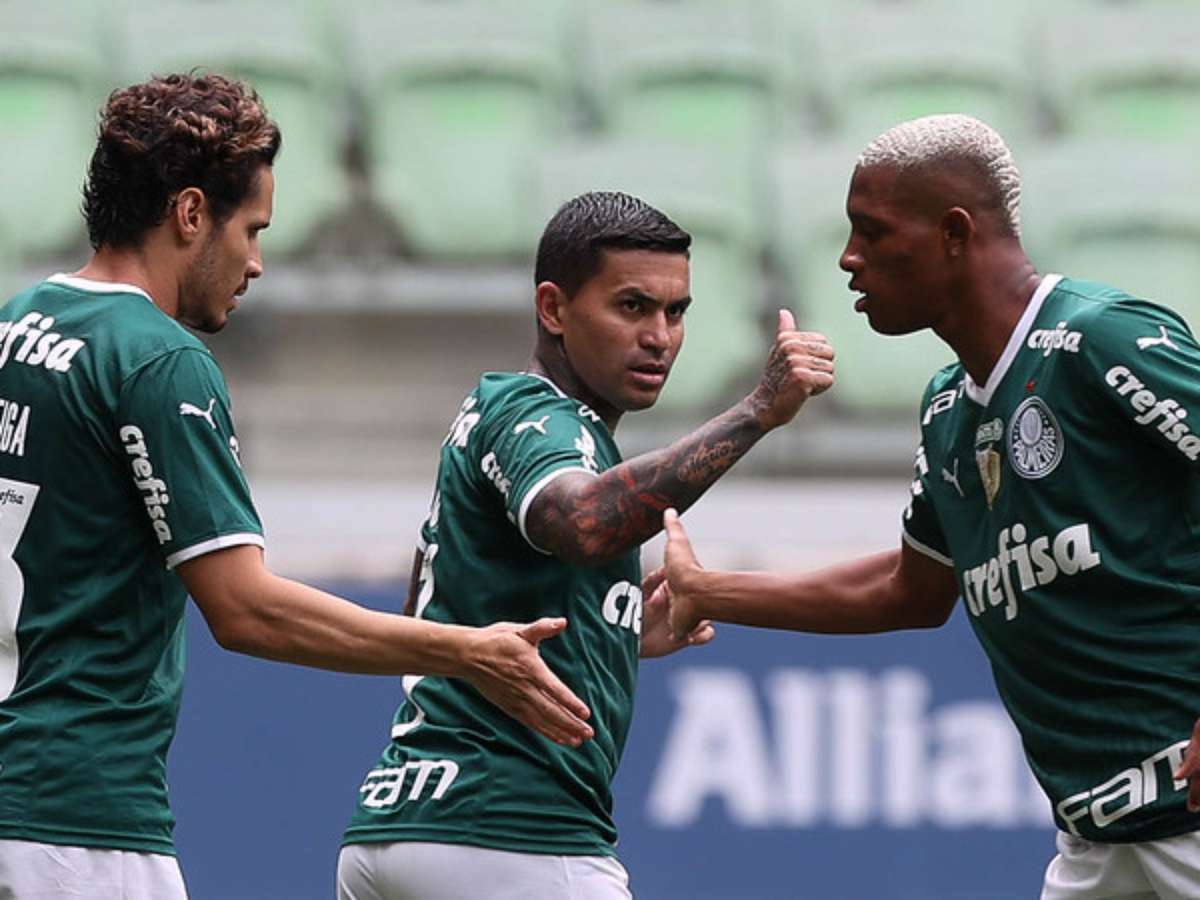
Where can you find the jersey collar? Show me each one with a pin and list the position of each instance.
(983, 395)
(557, 389)
(97, 287)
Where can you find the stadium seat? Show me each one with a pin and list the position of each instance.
(458, 96)
(1120, 212)
(725, 337)
(8, 268)
(52, 79)
(283, 51)
(875, 374)
(702, 70)
(1101, 82)
(880, 64)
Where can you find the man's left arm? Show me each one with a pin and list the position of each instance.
(587, 519)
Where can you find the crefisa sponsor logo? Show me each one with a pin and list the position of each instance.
(1146, 403)
(1038, 562)
(30, 341)
(153, 490)
(1057, 338)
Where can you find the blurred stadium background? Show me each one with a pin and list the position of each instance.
(425, 145)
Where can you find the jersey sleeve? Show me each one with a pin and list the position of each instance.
(1144, 363)
(921, 528)
(529, 443)
(176, 430)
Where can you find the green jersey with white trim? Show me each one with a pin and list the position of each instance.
(1065, 492)
(118, 460)
(458, 770)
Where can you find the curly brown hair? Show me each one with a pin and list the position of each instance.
(167, 134)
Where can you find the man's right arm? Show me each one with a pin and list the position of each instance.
(890, 591)
(251, 610)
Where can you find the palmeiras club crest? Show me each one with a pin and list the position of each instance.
(988, 458)
(1035, 441)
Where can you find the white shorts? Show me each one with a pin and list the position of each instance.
(1153, 870)
(416, 870)
(33, 871)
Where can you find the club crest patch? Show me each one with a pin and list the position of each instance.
(988, 458)
(1035, 440)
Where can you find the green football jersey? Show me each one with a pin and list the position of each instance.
(458, 770)
(118, 461)
(1064, 491)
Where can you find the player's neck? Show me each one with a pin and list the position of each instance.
(133, 266)
(986, 315)
(551, 363)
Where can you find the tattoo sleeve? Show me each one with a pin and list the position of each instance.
(587, 519)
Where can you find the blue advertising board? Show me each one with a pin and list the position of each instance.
(765, 766)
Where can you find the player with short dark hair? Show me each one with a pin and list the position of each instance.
(1054, 491)
(121, 491)
(534, 513)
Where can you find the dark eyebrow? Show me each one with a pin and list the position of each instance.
(635, 294)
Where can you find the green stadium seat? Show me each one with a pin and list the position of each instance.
(687, 71)
(1099, 81)
(881, 64)
(52, 77)
(284, 52)
(1120, 212)
(725, 339)
(875, 374)
(458, 96)
(8, 268)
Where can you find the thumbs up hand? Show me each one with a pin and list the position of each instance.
(799, 366)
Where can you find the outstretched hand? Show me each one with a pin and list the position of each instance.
(1189, 769)
(800, 365)
(680, 569)
(506, 668)
(657, 639)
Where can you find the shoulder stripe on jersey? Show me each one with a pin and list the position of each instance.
(925, 550)
(527, 500)
(96, 287)
(217, 543)
(422, 544)
(983, 395)
(557, 389)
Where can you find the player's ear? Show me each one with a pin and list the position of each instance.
(187, 212)
(550, 302)
(957, 230)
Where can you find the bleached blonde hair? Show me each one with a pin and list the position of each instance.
(953, 138)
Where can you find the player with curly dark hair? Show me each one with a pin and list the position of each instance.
(121, 492)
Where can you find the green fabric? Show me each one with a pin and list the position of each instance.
(1080, 575)
(458, 770)
(105, 480)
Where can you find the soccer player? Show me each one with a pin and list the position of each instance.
(1055, 491)
(534, 513)
(120, 486)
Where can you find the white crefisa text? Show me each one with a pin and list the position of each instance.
(153, 490)
(30, 341)
(1145, 402)
(1037, 562)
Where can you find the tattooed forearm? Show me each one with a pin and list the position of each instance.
(583, 519)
